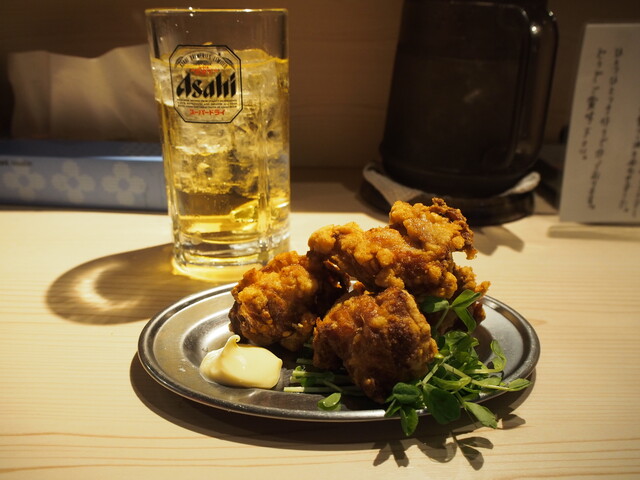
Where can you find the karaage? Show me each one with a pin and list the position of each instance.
(376, 330)
(279, 304)
(380, 339)
(414, 252)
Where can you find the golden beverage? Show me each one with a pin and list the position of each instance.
(226, 154)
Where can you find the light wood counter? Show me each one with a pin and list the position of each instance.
(77, 287)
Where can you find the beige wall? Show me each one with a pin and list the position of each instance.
(341, 59)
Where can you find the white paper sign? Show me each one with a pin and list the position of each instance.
(601, 182)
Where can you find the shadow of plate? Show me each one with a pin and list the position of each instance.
(441, 443)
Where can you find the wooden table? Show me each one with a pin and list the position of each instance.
(77, 287)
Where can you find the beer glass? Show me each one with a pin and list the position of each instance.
(222, 89)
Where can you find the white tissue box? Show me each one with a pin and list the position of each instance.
(113, 175)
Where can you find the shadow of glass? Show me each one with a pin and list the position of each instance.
(120, 288)
(440, 443)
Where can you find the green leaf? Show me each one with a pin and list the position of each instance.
(408, 420)
(406, 394)
(465, 299)
(451, 385)
(518, 384)
(466, 317)
(330, 403)
(482, 413)
(444, 406)
(488, 381)
(434, 304)
(467, 360)
(500, 360)
(458, 340)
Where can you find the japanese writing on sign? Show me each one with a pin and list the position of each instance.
(601, 181)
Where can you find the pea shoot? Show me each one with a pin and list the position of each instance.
(455, 380)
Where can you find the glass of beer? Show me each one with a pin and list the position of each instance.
(221, 82)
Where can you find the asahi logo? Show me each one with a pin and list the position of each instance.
(206, 82)
(209, 88)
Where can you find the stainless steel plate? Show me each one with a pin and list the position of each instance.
(174, 342)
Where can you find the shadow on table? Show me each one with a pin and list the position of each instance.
(608, 232)
(439, 443)
(123, 287)
(488, 239)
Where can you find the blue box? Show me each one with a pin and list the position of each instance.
(111, 175)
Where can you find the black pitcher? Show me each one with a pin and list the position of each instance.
(469, 95)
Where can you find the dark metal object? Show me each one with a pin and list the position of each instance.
(469, 95)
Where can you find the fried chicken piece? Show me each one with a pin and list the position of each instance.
(437, 229)
(281, 302)
(380, 339)
(380, 258)
(414, 252)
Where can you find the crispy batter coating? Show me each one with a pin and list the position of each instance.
(380, 339)
(437, 229)
(281, 302)
(414, 252)
(381, 258)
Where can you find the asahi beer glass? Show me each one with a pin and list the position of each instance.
(222, 90)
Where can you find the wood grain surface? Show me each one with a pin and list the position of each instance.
(77, 287)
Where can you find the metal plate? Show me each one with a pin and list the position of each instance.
(174, 342)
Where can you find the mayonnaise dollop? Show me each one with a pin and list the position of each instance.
(237, 365)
